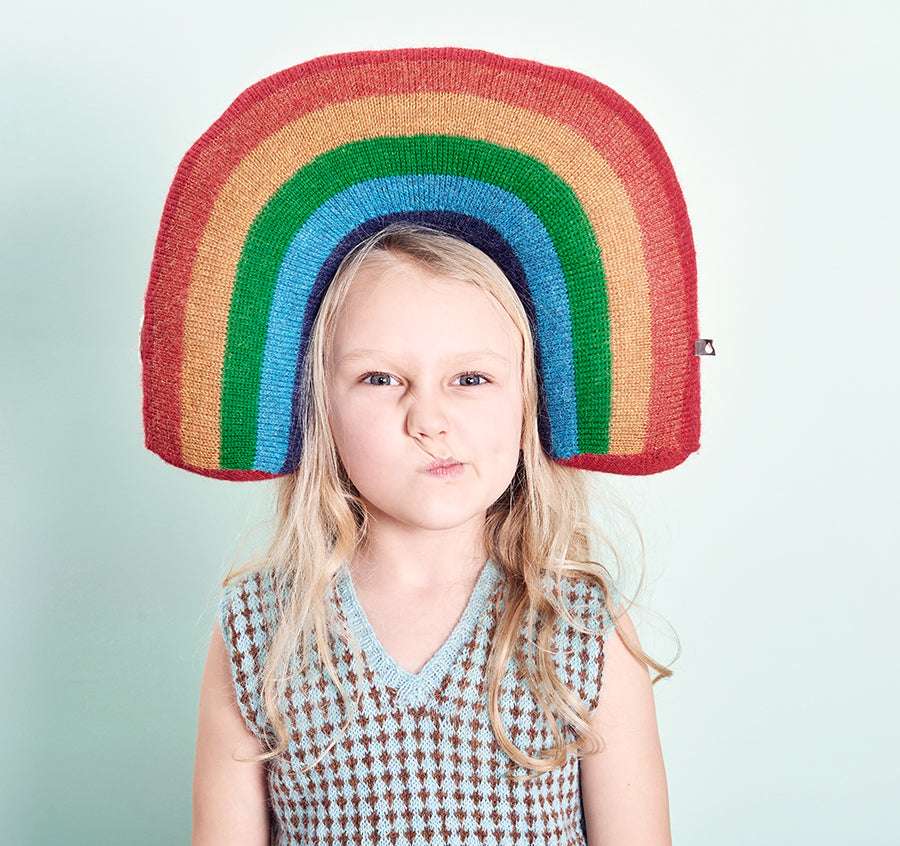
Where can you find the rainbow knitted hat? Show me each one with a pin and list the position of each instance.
(552, 174)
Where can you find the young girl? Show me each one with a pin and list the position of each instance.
(427, 652)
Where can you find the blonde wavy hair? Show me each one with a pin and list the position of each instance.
(537, 533)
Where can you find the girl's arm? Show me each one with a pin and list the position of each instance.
(623, 785)
(229, 791)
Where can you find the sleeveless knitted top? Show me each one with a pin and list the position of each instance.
(419, 763)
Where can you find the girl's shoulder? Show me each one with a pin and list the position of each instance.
(588, 603)
(251, 585)
(585, 605)
(248, 609)
(248, 616)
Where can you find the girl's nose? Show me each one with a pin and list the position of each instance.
(426, 417)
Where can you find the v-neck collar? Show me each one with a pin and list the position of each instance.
(416, 689)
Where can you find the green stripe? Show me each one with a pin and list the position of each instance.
(545, 193)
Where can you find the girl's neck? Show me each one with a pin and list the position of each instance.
(413, 586)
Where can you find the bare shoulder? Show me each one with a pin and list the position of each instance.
(624, 783)
(230, 805)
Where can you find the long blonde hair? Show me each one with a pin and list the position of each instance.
(537, 533)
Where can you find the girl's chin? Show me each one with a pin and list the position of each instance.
(429, 521)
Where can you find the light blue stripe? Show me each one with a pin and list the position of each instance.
(331, 222)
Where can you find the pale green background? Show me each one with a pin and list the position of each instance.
(773, 552)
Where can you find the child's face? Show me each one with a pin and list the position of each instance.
(425, 397)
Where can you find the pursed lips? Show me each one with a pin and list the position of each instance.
(444, 468)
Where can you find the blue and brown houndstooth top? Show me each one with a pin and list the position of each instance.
(419, 762)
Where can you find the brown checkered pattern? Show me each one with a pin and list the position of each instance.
(418, 764)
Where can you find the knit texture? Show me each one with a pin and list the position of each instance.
(552, 174)
(419, 763)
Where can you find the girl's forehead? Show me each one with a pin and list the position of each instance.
(399, 282)
(385, 269)
(399, 301)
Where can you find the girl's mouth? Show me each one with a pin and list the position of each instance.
(444, 468)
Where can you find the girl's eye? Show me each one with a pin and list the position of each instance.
(469, 380)
(379, 379)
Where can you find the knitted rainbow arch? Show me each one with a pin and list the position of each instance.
(551, 173)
